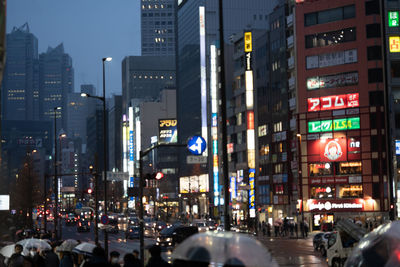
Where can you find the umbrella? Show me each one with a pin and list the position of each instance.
(67, 245)
(40, 244)
(223, 248)
(84, 248)
(7, 251)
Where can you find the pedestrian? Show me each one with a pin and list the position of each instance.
(36, 258)
(136, 254)
(16, 259)
(156, 260)
(114, 259)
(276, 228)
(296, 226)
(269, 229)
(98, 258)
(306, 228)
(50, 258)
(131, 261)
(263, 230)
(66, 259)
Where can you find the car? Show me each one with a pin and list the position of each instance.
(112, 226)
(323, 246)
(169, 237)
(70, 219)
(317, 240)
(132, 232)
(159, 226)
(133, 220)
(212, 225)
(202, 226)
(83, 226)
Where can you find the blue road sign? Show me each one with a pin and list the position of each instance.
(78, 205)
(197, 145)
(104, 219)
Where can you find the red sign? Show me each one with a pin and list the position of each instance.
(353, 148)
(333, 102)
(326, 150)
(250, 120)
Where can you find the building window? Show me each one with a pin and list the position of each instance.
(278, 168)
(279, 189)
(278, 127)
(372, 7)
(349, 168)
(320, 169)
(395, 69)
(330, 38)
(330, 15)
(375, 75)
(350, 191)
(373, 30)
(374, 52)
(323, 191)
(264, 151)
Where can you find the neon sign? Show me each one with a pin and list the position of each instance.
(334, 125)
(333, 102)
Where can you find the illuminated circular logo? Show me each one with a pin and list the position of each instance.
(328, 189)
(328, 205)
(333, 150)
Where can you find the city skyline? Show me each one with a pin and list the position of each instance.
(82, 38)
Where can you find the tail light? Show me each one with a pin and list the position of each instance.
(80, 224)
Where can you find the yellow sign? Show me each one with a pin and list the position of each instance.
(394, 44)
(247, 42)
(167, 123)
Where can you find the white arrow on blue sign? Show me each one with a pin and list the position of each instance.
(197, 145)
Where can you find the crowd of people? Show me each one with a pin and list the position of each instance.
(55, 258)
(285, 228)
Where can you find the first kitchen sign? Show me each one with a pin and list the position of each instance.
(316, 205)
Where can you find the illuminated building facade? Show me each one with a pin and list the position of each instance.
(344, 170)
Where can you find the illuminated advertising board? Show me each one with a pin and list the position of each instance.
(248, 47)
(167, 131)
(214, 121)
(332, 81)
(131, 150)
(233, 189)
(203, 75)
(397, 147)
(393, 17)
(252, 195)
(335, 205)
(326, 150)
(334, 125)
(333, 102)
(193, 184)
(4, 202)
(125, 138)
(394, 44)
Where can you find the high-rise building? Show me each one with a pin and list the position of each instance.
(2, 36)
(20, 94)
(343, 160)
(56, 80)
(115, 133)
(158, 27)
(198, 30)
(143, 77)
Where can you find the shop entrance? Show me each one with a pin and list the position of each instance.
(323, 221)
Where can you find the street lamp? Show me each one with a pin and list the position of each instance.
(103, 98)
(55, 173)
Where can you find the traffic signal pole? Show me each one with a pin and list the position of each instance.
(142, 154)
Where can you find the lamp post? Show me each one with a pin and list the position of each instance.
(300, 177)
(103, 98)
(55, 181)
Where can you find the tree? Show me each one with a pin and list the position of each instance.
(25, 194)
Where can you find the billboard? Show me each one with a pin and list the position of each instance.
(193, 184)
(4, 202)
(334, 125)
(326, 150)
(333, 102)
(167, 131)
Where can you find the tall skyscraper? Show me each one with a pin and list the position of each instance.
(56, 80)
(20, 95)
(143, 77)
(158, 27)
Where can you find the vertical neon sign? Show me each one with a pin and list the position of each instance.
(214, 121)
(124, 143)
(203, 76)
(251, 152)
(131, 148)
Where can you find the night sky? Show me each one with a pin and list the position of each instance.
(89, 29)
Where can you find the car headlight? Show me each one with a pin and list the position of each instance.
(168, 239)
(158, 239)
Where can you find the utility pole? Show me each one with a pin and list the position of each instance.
(225, 177)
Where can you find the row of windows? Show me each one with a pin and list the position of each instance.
(15, 98)
(330, 15)
(338, 191)
(16, 91)
(155, 14)
(340, 36)
(157, 49)
(330, 38)
(150, 77)
(156, 6)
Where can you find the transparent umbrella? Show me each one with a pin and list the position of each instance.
(223, 249)
(381, 247)
(7, 251)
(84, 248)
(40, 244)
(67, 245)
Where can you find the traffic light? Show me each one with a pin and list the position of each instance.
(159, 175)
(154, 175)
